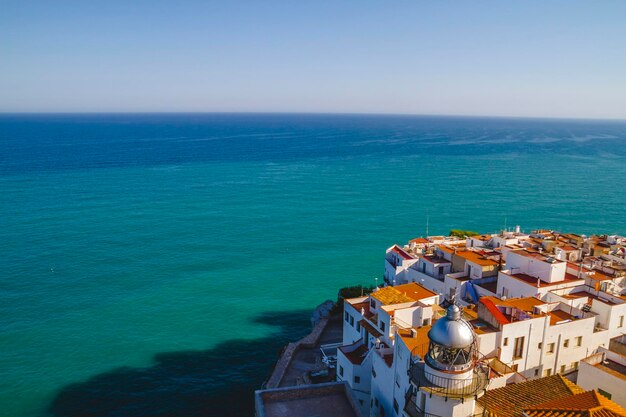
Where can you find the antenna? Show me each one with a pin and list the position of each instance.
(426, 226)
(505, 223)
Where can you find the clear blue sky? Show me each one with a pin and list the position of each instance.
(520, 58)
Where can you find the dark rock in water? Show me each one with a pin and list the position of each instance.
(322, 311)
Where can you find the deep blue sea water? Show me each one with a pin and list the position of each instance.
(154, 265)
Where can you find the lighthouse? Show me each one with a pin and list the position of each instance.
(450, 377)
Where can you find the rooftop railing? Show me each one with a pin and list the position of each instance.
(412, 410)
(450, 387)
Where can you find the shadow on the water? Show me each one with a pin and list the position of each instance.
(215, 382)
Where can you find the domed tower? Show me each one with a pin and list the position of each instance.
(451, 377)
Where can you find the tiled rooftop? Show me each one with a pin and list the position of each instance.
(511, 400)
(587, 404)
(399, 294)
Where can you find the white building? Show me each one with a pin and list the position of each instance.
(606, 372)
(365, 360)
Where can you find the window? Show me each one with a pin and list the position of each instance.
(514, 367)
(506, 341)
(579, 341)
(347, 317)
(340, 370)
(575, 365)
(357, 379)
(563, 368)
(396, 406)
(358, 326)
(351, 321)
(376, 401)
(566, 343)
(374, 375)
(603, 392)
(550, 347)
(548, 372)
(536, 372)
(425, 322)
(382, 325)
(372, 303)
(621, 323)
(518, 351)
(539, 345)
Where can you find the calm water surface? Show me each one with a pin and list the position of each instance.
(153, 265)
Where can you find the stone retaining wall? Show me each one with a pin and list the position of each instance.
(308, 341)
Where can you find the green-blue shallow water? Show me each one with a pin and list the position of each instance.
(156, 264)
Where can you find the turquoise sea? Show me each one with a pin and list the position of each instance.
(154, 265)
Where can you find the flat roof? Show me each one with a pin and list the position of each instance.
(569, 278)
(435, 259)
(613, 368)
(476, 257)
(357, 355)
(558, 316)
(418, 344)
(333, 399)
(536, 255)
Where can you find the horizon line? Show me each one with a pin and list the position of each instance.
(312, 113)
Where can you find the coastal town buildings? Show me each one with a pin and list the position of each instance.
(531, 306)
(508, 324)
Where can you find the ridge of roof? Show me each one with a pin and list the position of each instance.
(512, 400)
(588, 403)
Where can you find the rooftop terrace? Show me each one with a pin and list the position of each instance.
(332, 399)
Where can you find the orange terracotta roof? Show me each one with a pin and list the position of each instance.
(369, 328)
(397, 249)
(587, 404)
(417, 345)
(538, 283)
(448, 249)
(494, 310)
(399, 294)
(525, 304)
(557, 316)
(475, 257)
(512, 400)
(355, 356)
(419, 240)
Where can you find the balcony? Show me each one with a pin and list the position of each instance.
(449, 387)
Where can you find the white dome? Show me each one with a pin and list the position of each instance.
(451, 330)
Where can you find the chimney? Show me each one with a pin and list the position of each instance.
(413, 333)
